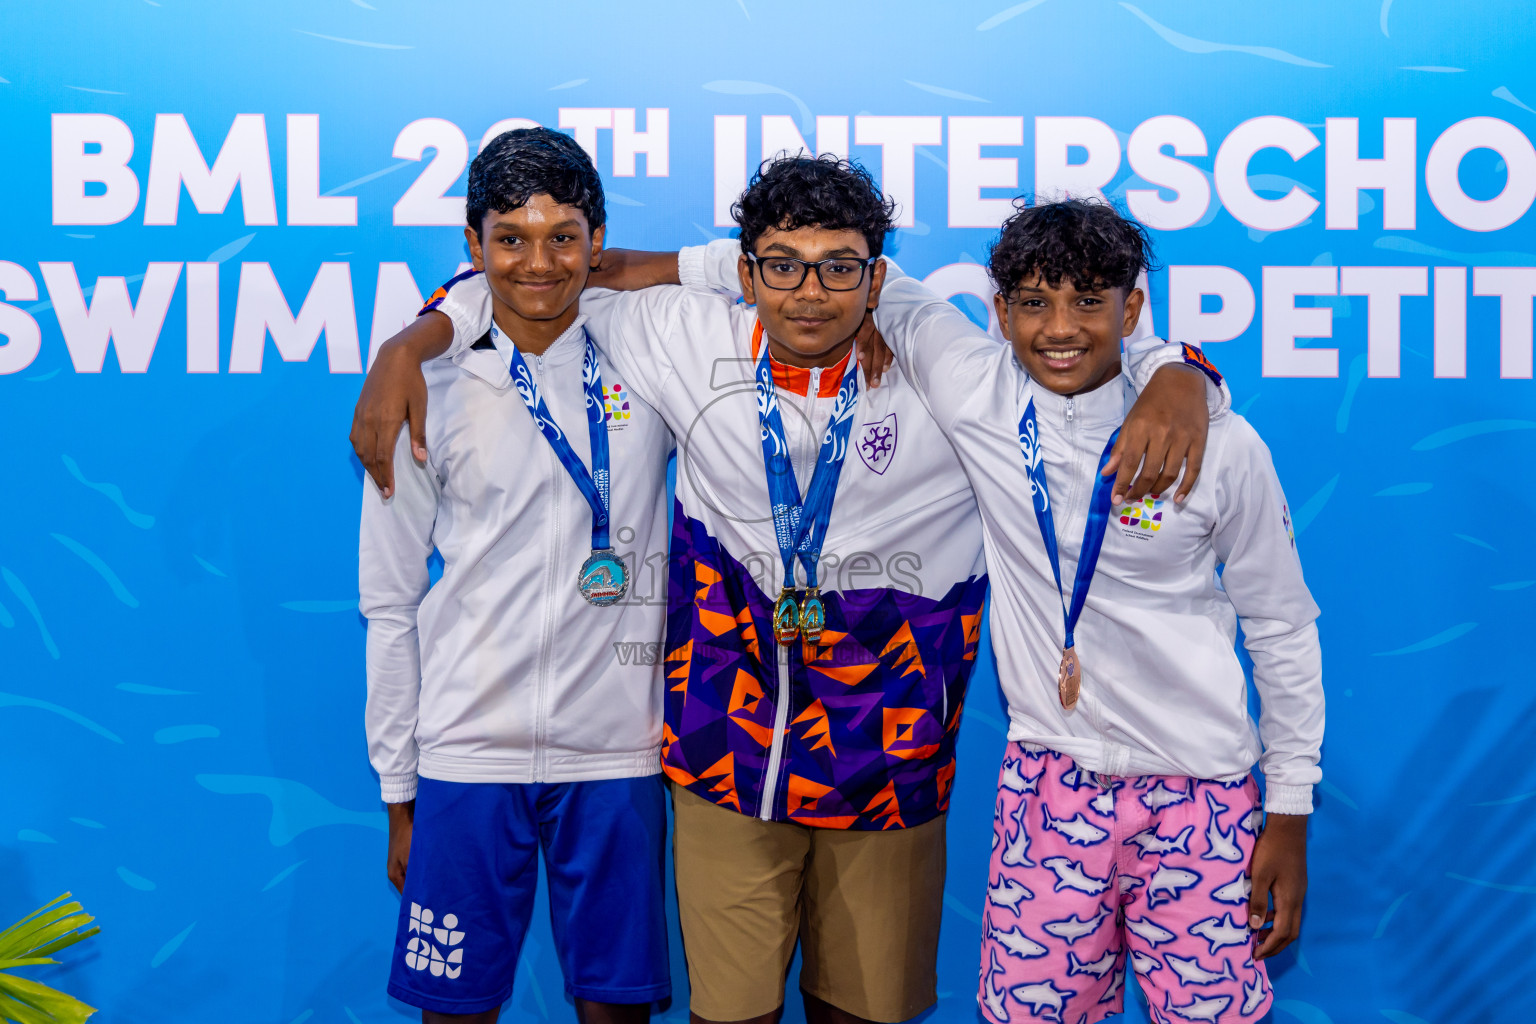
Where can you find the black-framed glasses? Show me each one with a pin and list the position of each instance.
(785, 273)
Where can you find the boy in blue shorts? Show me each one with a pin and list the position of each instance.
(499, 718)
(1129, 839)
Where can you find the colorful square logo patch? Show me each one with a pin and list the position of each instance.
(1146, 514)
(615, 405)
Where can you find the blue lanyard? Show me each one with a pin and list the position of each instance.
(800, 527)
(593, 485)
(1093, 529)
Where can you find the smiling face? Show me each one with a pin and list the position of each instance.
(1068, 340)
(536, 260)
(811, 325)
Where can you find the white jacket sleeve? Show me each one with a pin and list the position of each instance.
(641, 332)
(938, 348)
(645, 332)
(466, 300)
(394, 544)
(1264, 582)
(711, 267)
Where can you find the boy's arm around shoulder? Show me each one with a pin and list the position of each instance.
(394, 543)
(939, 350)
(457, 315)
(648, 329)
(395, 393)
(1164, 436)
(946, 357)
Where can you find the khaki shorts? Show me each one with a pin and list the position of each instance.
(865, 906)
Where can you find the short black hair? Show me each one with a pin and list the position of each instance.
(1086, 241)
(515, 166)
(825, 191)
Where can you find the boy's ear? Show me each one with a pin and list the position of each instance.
(1000, 304)
(1133, 304)
(744, 273)
(597, 247)
(476, 255)
(876, 282)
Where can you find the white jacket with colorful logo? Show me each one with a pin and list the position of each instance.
(501, 671)
(1163, 691)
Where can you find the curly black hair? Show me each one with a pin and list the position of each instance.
(1086, 241)
(517, 165)
(826, 191)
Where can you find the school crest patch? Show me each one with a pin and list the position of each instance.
(877, 443)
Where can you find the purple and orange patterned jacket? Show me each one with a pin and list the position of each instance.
(858, 731)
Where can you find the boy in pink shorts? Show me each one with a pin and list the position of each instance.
(1127, 835)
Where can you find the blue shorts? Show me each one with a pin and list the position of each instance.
(473, 871)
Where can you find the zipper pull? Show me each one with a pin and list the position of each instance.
(1070, 407)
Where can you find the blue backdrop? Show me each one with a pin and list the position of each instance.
(181, 659)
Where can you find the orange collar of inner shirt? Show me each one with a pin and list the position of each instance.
(797, 379)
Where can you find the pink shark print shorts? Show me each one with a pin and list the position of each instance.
(1094, 876)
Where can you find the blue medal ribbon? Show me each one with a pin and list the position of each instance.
(1093, 529)
(603, 579)
(800, 527)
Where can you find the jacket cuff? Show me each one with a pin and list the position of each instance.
(1155, 354)
(1287, 799)
(711, 267)
(397, 789)
(690, 267)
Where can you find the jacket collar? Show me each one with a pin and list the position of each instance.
(489, 363)
(1106, 404)
(797, 379)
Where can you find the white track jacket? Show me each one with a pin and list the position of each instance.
(501, 671)
(1163, 691)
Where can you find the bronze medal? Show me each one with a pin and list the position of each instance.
(1069, 680)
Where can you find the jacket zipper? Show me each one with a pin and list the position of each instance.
(781, 654)
(1073, 459)
(540, 765)
(780, 722)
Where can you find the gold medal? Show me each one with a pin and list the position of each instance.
(813, 615)
(1069, 680)
(786, 617)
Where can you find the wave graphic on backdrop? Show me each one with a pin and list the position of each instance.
(13, 700)
(733, 87)
(1443, 637)
(1441, 438)
(25, 597)
(182, 733)
(321, 607)
(1189, 44)
(165, 951)
(295, 807)
(1007, 15)
(113, 492)
(152, 691)
(103, 570)
(135, 881)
